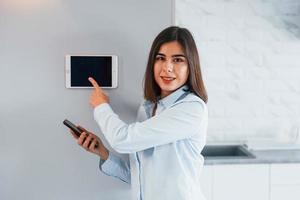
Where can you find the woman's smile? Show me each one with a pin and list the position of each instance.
(167, 80)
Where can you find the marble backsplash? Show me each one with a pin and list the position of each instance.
(250, 58)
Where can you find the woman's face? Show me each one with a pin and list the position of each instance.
(171, 69)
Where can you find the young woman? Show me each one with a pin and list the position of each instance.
(165, 144)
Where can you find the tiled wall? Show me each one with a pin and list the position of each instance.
(250, 56)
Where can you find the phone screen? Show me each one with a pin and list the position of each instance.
(98, 67)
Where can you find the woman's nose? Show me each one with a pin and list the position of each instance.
(169, 66)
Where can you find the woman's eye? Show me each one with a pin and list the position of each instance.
(178, 60)
(159, 58)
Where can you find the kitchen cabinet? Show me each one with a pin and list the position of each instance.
(285, 181)
(206, 182)
(236, 182)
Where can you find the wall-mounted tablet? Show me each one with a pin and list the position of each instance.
(103, 68)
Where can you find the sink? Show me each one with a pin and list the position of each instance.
(226, 152)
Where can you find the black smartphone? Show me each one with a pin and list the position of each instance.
(73, 127)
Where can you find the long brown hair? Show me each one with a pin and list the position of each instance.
(185, 39)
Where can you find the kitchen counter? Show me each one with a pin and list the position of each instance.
(261, 157)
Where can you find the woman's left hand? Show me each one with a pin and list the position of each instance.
(98, 96)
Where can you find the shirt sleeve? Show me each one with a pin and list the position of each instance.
(180, 121)
(116, 167)
(141, 114)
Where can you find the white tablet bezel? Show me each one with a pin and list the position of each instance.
(114, 71)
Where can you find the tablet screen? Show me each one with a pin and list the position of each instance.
(98, 67)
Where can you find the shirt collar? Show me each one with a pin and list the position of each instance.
(171, 98)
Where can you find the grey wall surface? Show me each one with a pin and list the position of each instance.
(38, 157)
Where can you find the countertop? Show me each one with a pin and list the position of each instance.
(261, 157)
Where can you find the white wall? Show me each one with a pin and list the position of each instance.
(38, 157)
(250, 60)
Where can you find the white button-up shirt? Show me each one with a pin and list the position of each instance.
(165, 160)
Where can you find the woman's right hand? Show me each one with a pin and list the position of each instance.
(91, 142)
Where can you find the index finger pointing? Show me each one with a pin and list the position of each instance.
(94, 83)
